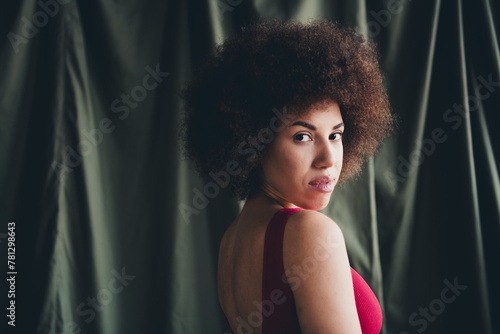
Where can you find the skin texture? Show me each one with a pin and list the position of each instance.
(319, 275)
(298, 155)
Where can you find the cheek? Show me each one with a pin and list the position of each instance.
(277, 167)
(285, 166)
(340, 158)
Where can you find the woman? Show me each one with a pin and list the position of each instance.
(279, 115)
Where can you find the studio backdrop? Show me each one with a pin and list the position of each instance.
(109, 230)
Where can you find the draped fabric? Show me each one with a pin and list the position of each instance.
(115, 232)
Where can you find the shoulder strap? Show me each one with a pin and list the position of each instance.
(278, 306)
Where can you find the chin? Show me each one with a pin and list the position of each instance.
(316, 205)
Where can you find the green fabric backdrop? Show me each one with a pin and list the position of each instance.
(91, 172)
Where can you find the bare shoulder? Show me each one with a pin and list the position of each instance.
(307, 228)
(318, 272)
(312, 235)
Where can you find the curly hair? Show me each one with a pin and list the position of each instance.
(271, 66)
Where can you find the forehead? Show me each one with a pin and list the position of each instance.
(320, 113)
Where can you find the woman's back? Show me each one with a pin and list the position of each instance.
(318, 282)
(240, 267)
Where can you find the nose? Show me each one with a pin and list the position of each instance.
(328, 154)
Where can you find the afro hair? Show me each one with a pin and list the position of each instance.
(272, 66)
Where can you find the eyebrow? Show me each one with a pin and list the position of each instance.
(312, 127)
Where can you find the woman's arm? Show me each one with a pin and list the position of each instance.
(318, 271)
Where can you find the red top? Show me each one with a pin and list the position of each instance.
(278, 307)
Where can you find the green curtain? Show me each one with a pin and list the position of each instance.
(110, 234)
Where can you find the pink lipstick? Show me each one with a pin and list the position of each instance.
(323, 184)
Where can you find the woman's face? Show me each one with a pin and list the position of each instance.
(304, 160)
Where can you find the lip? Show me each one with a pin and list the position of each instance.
(323, 184)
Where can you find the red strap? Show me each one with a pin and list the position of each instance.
(278, 306)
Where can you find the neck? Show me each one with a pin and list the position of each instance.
(269, 192)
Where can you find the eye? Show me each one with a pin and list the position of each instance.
(303, 137)
(336, 136)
